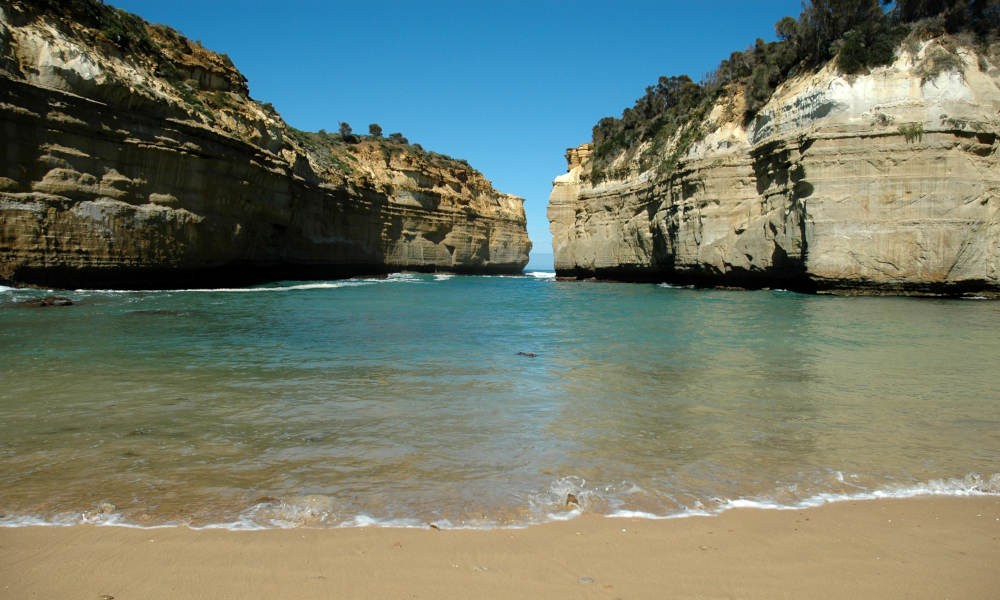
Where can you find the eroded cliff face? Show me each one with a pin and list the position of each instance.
(133, 157)
(880, 183)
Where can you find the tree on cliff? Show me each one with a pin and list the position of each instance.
(375, 130)
(347, 134)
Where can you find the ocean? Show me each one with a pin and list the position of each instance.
(481, 402)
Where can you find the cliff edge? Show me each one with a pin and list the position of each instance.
(884, 181)
(133, 157)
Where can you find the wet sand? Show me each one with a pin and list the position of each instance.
(933, 547)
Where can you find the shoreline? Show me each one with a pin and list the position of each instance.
(923, 547)
(110, 517)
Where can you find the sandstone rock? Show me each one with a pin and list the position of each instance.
(153, 168)
(879, 183)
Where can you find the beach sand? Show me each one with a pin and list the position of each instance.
(932, 547)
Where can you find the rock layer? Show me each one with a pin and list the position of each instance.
(880, 183)
(142, 162)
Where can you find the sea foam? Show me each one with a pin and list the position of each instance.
(547, 506)
(972, 484)
(317, 285)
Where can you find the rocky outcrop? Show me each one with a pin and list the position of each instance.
(133, 157)
(880, 183)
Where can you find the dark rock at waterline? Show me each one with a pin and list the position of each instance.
(46, 301)
(571, 501)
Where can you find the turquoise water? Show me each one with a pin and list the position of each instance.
(405, 401)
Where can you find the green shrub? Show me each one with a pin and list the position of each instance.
(872, 44)
(220, 99)
(912, 132)
(937, 61)
(654, 118)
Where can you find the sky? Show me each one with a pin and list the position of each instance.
(506, 85)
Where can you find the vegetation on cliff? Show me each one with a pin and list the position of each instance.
(338, 151)
(857, 34)
(179, 77)
(198, 82)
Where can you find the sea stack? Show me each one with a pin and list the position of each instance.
(133, 157)
(882, 181)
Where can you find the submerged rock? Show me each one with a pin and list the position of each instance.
(46, 301)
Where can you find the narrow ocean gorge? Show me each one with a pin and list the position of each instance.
(465, 401)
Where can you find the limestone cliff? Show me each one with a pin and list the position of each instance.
(133, 157)
(885, 182)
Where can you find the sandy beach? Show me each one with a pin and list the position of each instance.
(936, 547)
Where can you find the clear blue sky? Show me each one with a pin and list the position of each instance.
(507, 86)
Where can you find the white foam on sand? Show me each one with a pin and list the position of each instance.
(32, 521)
(972, 484)
(113, 519)
(547, 506)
